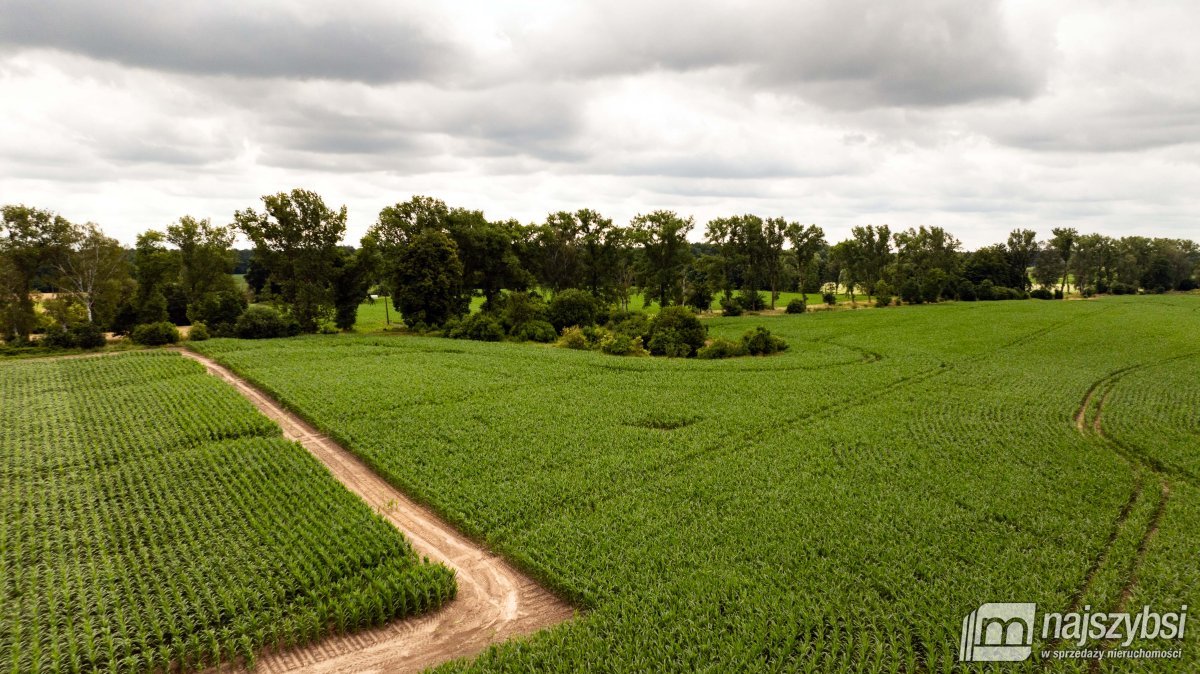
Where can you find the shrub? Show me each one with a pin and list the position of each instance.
(985, 290)
(675, 331)
(1041, 294)
(618, 344)
(88, 336)
(218, 311)
(1058, 293)
(1088, 291)
(829, 298)
(730, 306)
(669, 343)
(966, 291)
(910, 292)
(572, 307)
(572, 338)
(883, 301)
(699, 297)
(796, 306)
(198, 333)
(752, 301)
(56, 337)
(632, 323)
(155, 334)
(722, 348)
(516, 309)
(1187, 285)
(760, 342)
(263, 322)
(1119, 288)
(480, 327)
(537, 331)
(1102, 287)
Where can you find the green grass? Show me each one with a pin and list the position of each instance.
(839, 507)
(150, 515)
(374, 316)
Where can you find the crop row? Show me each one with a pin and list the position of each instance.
(152, 518)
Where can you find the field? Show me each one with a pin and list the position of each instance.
(840, 507)
(150, 515)
(374, 316)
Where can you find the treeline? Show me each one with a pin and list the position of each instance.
(431, 259)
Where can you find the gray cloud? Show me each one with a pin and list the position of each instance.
(232, 38)
(841, 53)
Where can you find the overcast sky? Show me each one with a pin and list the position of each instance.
(974, 115)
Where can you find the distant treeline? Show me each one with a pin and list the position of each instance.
(431, 259)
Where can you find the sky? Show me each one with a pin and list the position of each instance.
(978, 116)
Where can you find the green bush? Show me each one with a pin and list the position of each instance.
(1041, 294)
(752, 301)
(480, 327)
(796, 306)
(516, 309)
(722, 348)
(632, 323)
(829, 298)
(618, 344)
(670, 343)
(88, 336)
(56, 337)
(760, 342)
(263, 322)
(536, 331)
(572, 307)
(218, 311)
(966, 291)
(731, 307)
(198, 333)
(155, 334)
(573, 338)
(675, 331)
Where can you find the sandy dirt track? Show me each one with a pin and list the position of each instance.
(495, 602)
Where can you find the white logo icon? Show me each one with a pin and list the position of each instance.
(997, 632)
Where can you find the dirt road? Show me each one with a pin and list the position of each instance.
(495, 602)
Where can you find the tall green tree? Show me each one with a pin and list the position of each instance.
(93, 270)
(662, 236)
(1063, 240)
(774, 236)
(206, 256)
(427, 280)
(557, 242)
(807, 243)
(297, 236)
(1022, 250)
(31, 240)
(875, 249)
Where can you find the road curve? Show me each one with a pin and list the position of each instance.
(495, 602)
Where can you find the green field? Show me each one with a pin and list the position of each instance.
(839, 507)
(150, 515)
(374, 316)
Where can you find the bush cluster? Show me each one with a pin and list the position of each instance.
(263, 322)
(155, 334)
(796, 306)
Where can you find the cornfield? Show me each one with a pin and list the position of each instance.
(152, 519)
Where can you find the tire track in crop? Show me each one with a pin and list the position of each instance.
(495, 602)
(1088, 421)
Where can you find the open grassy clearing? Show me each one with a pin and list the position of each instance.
(150, 516)
(838, 507)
